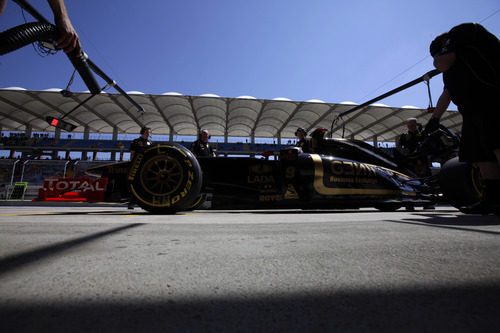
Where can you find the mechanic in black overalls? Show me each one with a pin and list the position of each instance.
(408, 144)
(141, 143)
(201, 147)
(469, 57)
(302, 142)
(138, 145)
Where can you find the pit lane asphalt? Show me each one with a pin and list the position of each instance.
(112, 269)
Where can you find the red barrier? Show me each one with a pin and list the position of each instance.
(72, 189)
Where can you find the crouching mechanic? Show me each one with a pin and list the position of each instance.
(469, 57)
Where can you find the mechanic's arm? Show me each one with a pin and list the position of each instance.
(441, 106)
(69, 39)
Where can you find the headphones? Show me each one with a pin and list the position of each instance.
(441, 45)
(459, 36)
(144, 129)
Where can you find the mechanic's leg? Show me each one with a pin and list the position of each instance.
(490, 172)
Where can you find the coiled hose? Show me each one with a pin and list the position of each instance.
(24, 34)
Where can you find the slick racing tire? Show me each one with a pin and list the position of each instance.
(460, 183)
(165, 179)
(198, 202)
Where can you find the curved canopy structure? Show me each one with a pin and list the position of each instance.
(174, 114)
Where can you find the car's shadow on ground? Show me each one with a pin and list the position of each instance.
(459, 219)
(442, 216)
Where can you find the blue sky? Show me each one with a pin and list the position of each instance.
(331, 50)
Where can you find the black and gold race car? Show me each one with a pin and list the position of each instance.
(334, 173)
(339, 174)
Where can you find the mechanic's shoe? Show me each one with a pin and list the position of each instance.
(130, 205)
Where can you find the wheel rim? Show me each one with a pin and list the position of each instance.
(161, 175)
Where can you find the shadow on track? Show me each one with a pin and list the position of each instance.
(18, 260)
(455, 222)
(84, 212)
(451, 309)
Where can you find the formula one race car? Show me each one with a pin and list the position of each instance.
(335, 173)
(339, 174)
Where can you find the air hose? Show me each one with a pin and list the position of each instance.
(24, 34)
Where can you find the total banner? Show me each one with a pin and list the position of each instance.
(72, 189)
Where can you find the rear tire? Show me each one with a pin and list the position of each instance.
(165, 179)
(460, 183)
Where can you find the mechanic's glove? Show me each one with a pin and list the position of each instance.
(432, 125)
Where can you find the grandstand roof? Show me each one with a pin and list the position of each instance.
(181, 115)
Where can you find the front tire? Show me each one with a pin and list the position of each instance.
(165, 179)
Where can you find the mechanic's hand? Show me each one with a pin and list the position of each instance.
(68, 38)
(432, 125)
